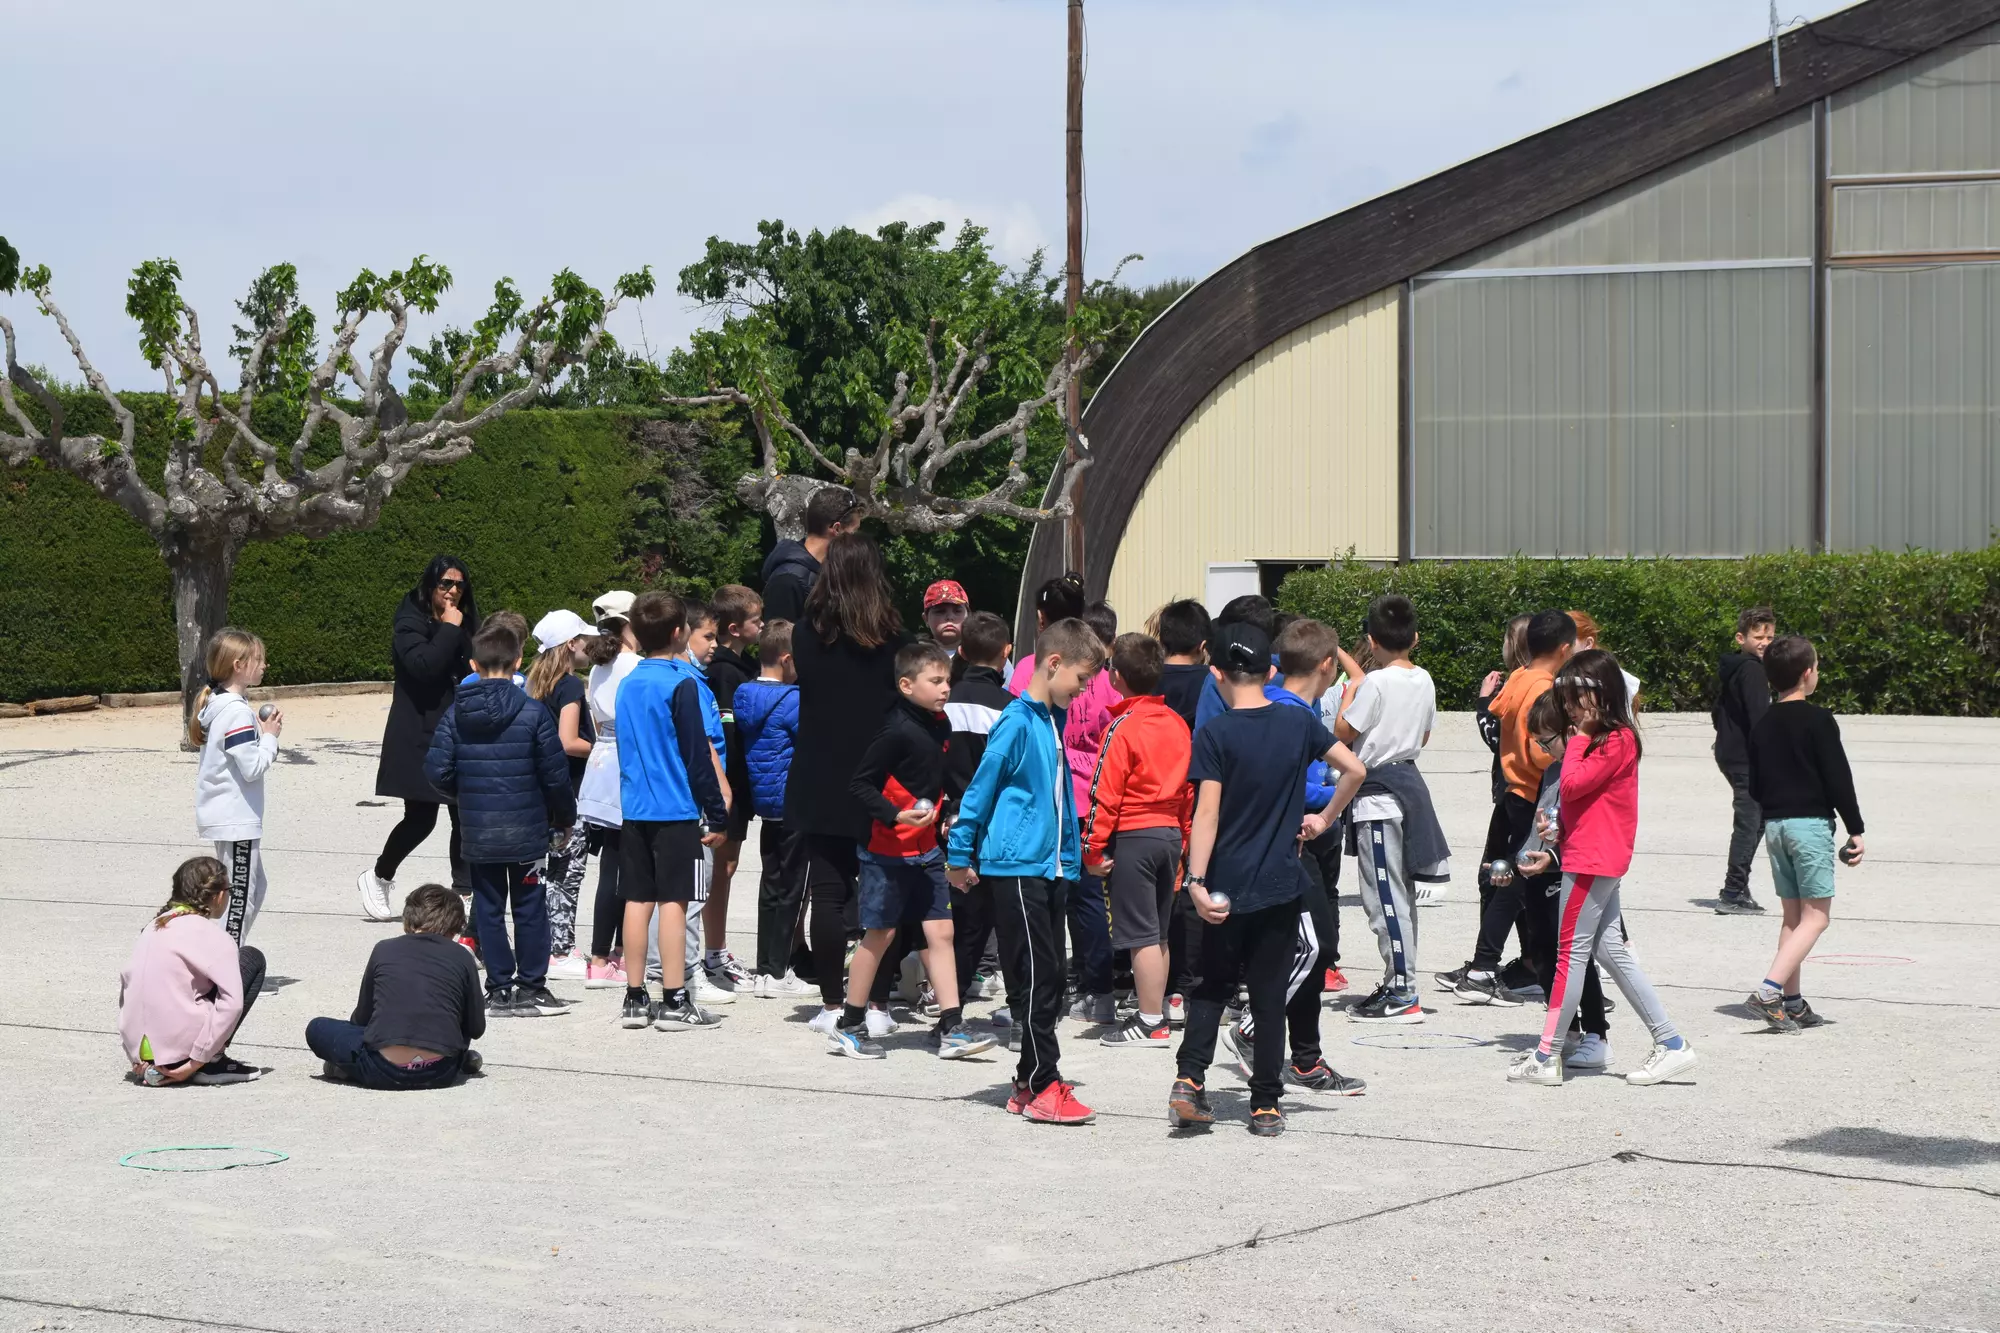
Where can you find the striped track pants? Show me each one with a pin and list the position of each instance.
(1586, 927)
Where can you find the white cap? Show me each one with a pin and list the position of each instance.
(560, 626)
(614, 606)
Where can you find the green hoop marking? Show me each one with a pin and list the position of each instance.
(271, 1157)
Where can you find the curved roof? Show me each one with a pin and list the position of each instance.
(1295, 278)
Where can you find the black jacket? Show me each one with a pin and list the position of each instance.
(845, 692)
(498, 752)
(1742, 697)
(422, 991)
(977, 700)
(1798, 767)
(430, 658)
(789, 574)
(904, 764)
(726, 670)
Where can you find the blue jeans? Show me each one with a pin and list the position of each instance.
(525, 962)
(339, 1043)
(1090, 935)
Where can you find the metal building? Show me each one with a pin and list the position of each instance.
(1723, 316)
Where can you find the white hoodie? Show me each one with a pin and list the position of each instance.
(229, 789)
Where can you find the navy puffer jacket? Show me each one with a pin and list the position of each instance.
(767, 724)
(498, 753)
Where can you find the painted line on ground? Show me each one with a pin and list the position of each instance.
(139, 1314)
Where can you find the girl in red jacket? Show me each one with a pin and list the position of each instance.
(1598, 824)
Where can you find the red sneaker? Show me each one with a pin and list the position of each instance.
(1057, 1105)
(1018, 1099)
(1336, 980)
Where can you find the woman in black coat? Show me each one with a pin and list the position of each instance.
(845, 655)
(432, 651)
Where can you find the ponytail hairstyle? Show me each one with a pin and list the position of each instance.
(196, 883)
(603, 650)
(226, 647)
(548, 669)
(1060, 599)
(1596, 673)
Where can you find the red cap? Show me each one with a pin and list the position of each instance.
(945, 590)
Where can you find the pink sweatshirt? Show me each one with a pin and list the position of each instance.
(164, 991)
(1085, 722)
(1600, 803)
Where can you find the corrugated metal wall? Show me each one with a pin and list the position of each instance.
(1939, 112)
(1952, 216)
(1611, 414)
(1293, 457)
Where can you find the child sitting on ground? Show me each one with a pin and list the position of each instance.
(1799, 777)
(188, 986)
(420, 1007)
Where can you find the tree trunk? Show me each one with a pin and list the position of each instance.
(201, 568)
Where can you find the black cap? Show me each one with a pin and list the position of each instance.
(1241, 647)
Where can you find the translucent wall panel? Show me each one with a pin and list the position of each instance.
(1610, 414)
(1914, 420)
(1952, 217)
(1939, 112)
(1751, 198)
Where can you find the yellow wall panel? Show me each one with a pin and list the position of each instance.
(1292, 457)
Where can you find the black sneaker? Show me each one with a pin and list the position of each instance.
(471, 1062)
(507, 1002)
(1772, 1011)
(1737, 904)
(689, 1017)
(538, 1002)
(1323, 1077)
(1267, 1122)
(1135, 1033)
(1390, 1008)
(226, 1070)
(1486, 988)
(1187, 1105)
(1518, 975)
(1448, 981)
(1372, 997)
(638, 1011)
(1803, 1015)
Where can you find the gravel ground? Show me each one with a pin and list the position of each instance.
(745, 1179)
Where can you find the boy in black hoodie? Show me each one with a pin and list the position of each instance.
(1742, 697)
(739, 620)
(978, 697)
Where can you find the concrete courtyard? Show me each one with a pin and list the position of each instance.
(1844, 1178)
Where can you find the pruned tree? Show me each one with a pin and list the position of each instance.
(224, 483)
(975, 362)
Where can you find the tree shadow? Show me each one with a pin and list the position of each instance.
(1883, 1145)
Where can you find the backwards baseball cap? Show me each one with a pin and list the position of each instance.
(1240, 647)
(613, 606)
(945, 590)
(560, 626)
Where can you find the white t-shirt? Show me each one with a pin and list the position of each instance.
(598, 798)
(1394, 709)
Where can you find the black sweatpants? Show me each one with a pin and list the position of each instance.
(781, 889)
(1184, 927)
(1321, 860)
(419, 818)
(1257, 948)
(972, 930)
(1746, 830)
(1030, 916)
(607, 911)
(1501, 906)
(828, 870)
(1544, 912)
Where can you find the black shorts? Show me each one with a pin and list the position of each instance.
(657, 860)
(1144, 866)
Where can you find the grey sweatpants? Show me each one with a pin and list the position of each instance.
(1746, 831)
(1386, 898)
(1587, 915)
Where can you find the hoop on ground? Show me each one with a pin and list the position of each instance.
(1421, 1041)
(260, 1157)
(1861, 959)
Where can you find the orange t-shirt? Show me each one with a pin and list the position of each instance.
(1521, 760)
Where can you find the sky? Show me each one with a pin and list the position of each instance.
(515, 139)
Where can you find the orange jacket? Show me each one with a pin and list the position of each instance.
(1521, 760)
(1141, 778)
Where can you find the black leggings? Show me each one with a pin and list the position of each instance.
(607, 912)
(419, 818)
(831, 869)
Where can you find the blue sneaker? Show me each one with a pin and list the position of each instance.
(851, 1043)
(958, 1042)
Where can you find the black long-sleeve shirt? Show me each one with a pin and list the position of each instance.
(904, 764)
(1798, 769)
(422, 991)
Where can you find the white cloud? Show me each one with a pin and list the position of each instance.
(1012, 229)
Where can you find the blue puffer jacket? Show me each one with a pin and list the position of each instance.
(497, 751)
(767, 723)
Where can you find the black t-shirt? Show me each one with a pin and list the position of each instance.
(570, 690)
(422, 991)
(1181, 684)
(1260, 756)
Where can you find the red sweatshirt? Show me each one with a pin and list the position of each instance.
(1141, 778)
(1600, 803)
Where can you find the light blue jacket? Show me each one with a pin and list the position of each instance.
(1018, 815)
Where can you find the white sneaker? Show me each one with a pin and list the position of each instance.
(1593, 1052)
(571, 966)
(723, 978)
(1430, 895)
(1176, 1010)
(1663, 1064)
(787, 987)
(1545, 1073)
(375, 893)
(705, 991)
(824, 1022)
(880, 1024)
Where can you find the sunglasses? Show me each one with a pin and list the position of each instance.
(457, 585)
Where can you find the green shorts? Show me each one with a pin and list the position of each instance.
(1801, 852)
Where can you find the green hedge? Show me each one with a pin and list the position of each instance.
(1913, 632)
(542, 513)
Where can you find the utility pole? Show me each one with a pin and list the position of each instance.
(1073, 547)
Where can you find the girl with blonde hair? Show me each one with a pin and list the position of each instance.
(237, 749)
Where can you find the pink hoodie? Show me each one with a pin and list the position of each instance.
(165, 991)
(1600, 803)
(1086, 721)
